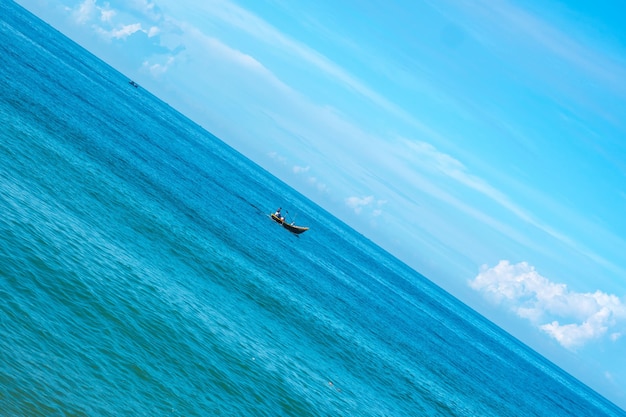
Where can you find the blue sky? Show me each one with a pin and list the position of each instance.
(479, 141)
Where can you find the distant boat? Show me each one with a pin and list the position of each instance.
(289, 226)
(134, 84)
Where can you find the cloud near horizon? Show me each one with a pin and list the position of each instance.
(571, 318)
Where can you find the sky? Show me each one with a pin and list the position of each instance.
(479, 141)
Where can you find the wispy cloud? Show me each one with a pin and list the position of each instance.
(197, 41)
(572, 318)
(148, 8)
(541, 47)
(248, 22)
(240, 18)
(429, 158)
(577, 54)
(84, 11)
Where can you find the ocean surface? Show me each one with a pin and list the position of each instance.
(140, 275)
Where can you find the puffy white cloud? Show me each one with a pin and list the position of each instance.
(124, 31)
(153, 31)
(357, 203)
(158, 69)
(300, 170)
(89, 10)
(572, 318)
(106, 14)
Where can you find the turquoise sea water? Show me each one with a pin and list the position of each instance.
(140, 275)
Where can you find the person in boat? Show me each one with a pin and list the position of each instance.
(278, 215)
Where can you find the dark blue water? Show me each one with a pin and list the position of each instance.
(141, 275)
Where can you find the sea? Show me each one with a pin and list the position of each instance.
(140, 275)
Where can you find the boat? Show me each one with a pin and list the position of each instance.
(289, 226)
(133, 83)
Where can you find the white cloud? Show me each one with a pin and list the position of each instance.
(570, 317)
(609, 376)
(124, 31)
(321, 187)
(107, 14)
(158, 69)
(89, 10)
(357, 203)
(277, 157)
(300, 170)
(84, 12)
(102, 22)
(378, 210)
(153, 31)
(147, 8)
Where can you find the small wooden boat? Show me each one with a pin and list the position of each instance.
(289, 226)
